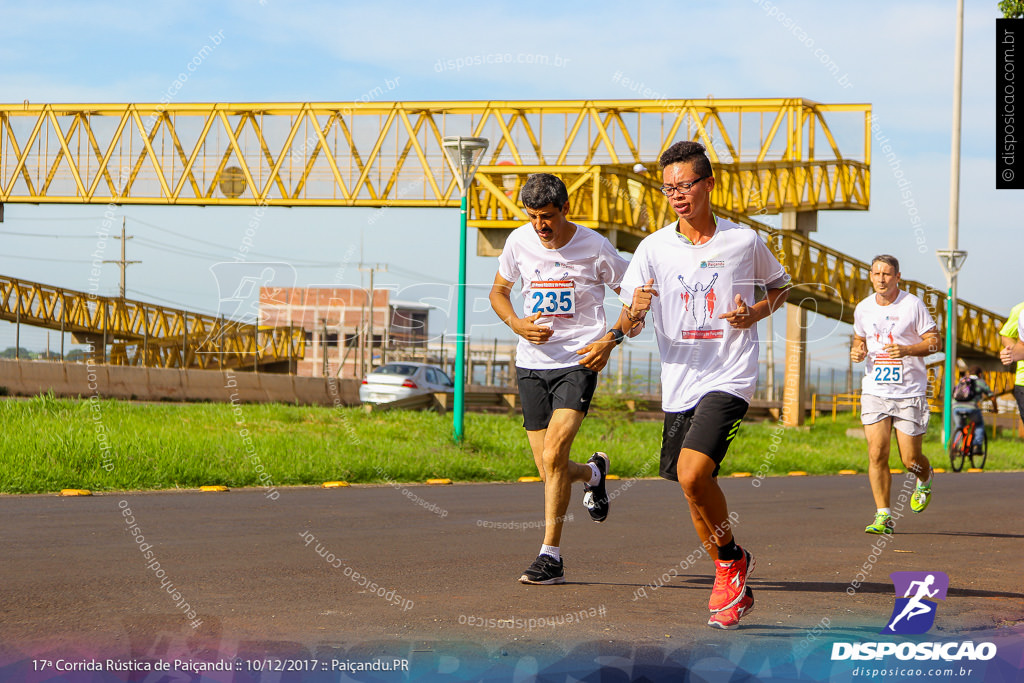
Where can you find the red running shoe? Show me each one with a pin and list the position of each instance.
(730, 581)
(729, 619)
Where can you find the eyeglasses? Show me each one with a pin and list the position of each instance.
(681, 188)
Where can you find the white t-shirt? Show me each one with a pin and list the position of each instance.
(567, 286)
(700, 352)
(904, 321)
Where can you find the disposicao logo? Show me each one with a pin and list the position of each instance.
(914, 613)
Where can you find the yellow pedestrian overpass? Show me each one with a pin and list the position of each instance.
(792, 157)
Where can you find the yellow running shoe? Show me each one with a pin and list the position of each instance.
(883, 524)
(922, 496)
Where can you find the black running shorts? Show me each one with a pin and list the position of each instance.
(708, 428)
(541, 392)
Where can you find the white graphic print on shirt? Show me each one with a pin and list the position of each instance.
(699, 301)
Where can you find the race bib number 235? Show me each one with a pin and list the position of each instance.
(555, 298)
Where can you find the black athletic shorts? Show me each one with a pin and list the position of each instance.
(709, 428)
(543, 391)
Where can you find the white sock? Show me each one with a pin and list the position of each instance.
(595, 475)
(885, 510)
(551, 550)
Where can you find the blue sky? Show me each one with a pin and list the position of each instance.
(897, 56)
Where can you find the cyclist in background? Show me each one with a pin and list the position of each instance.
(967, 398)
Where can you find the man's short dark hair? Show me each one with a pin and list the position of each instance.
(542, 189)
(887, 260)
(687, 152)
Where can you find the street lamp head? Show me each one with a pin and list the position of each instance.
(952, 260)
(464, 156)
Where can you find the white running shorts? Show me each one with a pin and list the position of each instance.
(909, 415)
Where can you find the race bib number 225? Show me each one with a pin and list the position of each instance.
(887, 370)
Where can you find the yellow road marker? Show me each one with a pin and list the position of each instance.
(75, 492)
(847, 471)
(439, 482)
(526, 480)
(334, 484)
(798, 473)
(208, 489)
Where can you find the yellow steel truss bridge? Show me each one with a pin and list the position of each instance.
(138, 333)
(775, 155)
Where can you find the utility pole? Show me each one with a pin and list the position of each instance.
(849, 367)
(324, 346)
(952, 258)
(372, 269)
(123, 263)
(770, 357)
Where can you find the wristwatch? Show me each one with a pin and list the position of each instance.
(617, 335)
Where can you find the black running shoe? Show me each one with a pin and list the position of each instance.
(595, 498)
(545, 570)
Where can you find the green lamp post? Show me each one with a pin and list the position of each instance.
(952, 260)
(464, 156)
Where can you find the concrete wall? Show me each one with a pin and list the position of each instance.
(28, 378)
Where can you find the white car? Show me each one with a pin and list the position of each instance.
(394, 381)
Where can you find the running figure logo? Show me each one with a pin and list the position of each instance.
(239, 285)
(565, 276)
(883, 331)
(914, 613)
(699, 300)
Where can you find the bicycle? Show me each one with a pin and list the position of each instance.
(961, 447)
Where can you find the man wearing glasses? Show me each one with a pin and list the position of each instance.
(687, 273)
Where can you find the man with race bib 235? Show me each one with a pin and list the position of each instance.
(563, 343)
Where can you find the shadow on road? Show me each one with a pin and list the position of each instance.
(960, 533)
(703, 583)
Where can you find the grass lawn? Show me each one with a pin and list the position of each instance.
(51, 444)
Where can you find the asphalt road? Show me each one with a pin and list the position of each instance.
(429, 572)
